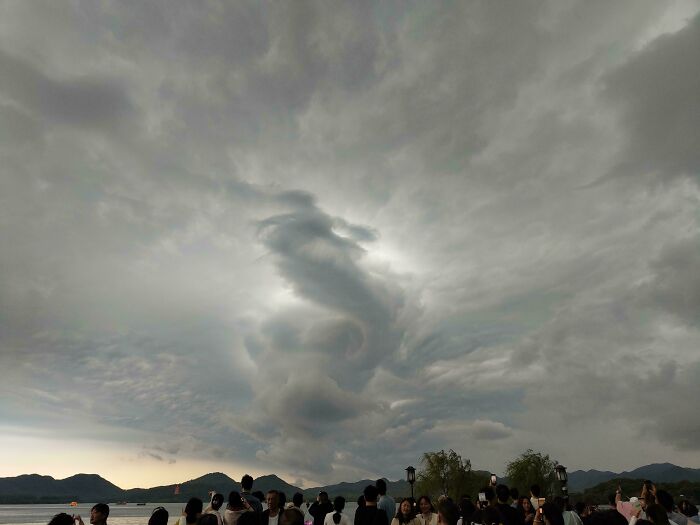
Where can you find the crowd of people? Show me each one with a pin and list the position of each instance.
(496, 505)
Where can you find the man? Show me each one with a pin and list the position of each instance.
(98, 515)
(246, 487)
(385, 503)
(271, 516)
(296, 503)
(320, 508)
(370, 514)
(509, 516)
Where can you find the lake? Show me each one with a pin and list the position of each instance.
(131, 514)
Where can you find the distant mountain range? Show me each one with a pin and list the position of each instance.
(658, 472)
(33, 488)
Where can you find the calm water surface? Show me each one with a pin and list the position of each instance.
(131, 514)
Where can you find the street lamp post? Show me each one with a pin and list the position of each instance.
(411, 478)
(563, 478)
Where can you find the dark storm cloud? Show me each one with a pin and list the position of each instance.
(657, 91)
(91, 102)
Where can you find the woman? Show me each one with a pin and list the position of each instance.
(427, 515)
(525, 507)
(406, 515)
(337, 517)
(159, 516)
(192, 512)
(448, 512)
(236, 507)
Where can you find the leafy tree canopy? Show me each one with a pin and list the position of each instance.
(532, 468)
(447, 473)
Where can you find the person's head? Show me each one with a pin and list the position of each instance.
(258, 494)
(193, 510)
(298, 499)
(687, 508)
(61, 519)
(381, 487)
(535, 490)
(159, 516)
(361, 501)
(425, 505)
(281, 499)
(99, 513)
(657, 514)
(552, 514)
(405, 513)
(291, 517)
(207, 519)
(338, 506)
(273, 500)
(489, 494)
(664, 499)
(502, 493)
(234, 500)
(466, 508)
(611, 499)
(579, 507)
(448, 513)
(216, 501)
(514, 493)
(370, 494)
(323, 497)
(247, 482)
(525, 504)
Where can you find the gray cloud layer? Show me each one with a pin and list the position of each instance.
(326, 238)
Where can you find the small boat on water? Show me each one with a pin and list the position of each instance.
(140, 504)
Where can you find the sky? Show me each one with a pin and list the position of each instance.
(322, 238)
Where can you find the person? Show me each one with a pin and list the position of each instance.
(98, 515)
(337, 517)
(665, 499)
(237, 507)
(159, 516)
(217, 500)
(489, 500)
(657, 514)
(370, 514)
(535, 496)
(291, 516)
(448, 512)
(297, 502)
(689, 510)
(271, 516)
(406, 514)
(191, 513)
(385, 502)
(514, 495)
(548, 514)
(246, 486)
(61, 519)
(509, 515)
(427, 515)
(320, 508)
(528, 512)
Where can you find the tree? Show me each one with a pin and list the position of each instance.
(532, 468)
(446, 473)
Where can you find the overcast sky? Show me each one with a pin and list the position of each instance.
(321, 238)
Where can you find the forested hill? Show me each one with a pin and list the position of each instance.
(632, 487)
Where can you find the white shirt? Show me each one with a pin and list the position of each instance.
(344, 520)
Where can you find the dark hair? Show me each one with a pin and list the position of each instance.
(514, 493)
(234, 500)
(687, 508)
(159, 516)
(102, 508)
(665, 500)
(194, 506)
(467, 508)
(338, 505)
(411, 513)
(289, 517)
(247, 482)
(553, 514)
(449, 512)
(521, 507)
(612, 500)
(298, 499)
(361, 501)
(61, 519)
(258, 495)
(216, 501)
(502, 493)
(381, 487)
(207, 519)
(426, 498)
(323, 496)
(579, 507)
(370, 493)
(657, 514)
(281, 499)
(535, 490)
